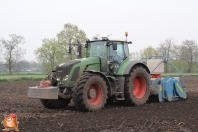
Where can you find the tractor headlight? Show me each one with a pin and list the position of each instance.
(113, 67)
(65, 78)
(116, 65)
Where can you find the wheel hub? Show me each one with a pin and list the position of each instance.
(92, 93)
(139, 85)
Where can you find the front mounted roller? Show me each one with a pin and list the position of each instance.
(137, 89)
(53, 103)
(90, 93)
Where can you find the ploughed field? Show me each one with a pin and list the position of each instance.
(178, 116)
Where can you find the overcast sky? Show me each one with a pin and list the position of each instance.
(148, 22)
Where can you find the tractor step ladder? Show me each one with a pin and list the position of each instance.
(119, 95)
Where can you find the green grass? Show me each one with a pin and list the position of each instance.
(40, 76)
(177, 74)
(21, 73)
(18, 77)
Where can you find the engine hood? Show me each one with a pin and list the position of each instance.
(64, 68)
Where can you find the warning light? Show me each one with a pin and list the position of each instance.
(126, 34)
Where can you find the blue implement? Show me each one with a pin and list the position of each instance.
(171, 89)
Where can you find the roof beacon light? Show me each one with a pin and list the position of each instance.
(126, 34)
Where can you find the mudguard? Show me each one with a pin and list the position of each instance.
(127, 65)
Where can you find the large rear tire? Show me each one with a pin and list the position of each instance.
(90, 93)
(137, 89)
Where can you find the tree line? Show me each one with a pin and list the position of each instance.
(184, 55)
(54, 51)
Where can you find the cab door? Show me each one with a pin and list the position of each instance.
(116, 57)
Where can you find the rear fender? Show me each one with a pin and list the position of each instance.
(127, 65)
(133, 64)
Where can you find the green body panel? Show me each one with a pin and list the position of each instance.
(123, 66)
(91, 63)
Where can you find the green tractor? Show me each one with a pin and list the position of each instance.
(106, 74)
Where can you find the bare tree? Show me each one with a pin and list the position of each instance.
(189, 53)
(1, 62)
(165, 48)
(1, 54)
(12, 50)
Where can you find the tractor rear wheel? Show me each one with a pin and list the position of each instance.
(137, 89)
(90, 93)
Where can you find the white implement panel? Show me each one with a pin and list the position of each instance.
(43, 93)
(152, 63)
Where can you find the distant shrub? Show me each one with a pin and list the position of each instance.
(3, 80)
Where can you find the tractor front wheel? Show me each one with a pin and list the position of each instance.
(137, 89)
(90, 93)
(55, 103)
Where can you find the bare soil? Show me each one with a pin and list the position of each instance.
(177, 116)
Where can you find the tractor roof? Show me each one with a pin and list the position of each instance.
(115, 40)
(104, 37)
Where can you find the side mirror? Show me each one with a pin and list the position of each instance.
(114, 46)
(86, 45)
(69, 48)
(79, 46)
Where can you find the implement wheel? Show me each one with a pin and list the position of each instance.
(90, 93)
(137, 89)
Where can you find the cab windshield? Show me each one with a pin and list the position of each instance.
(97, 48)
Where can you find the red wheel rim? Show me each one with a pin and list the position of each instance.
(94, 94)
(139, 87)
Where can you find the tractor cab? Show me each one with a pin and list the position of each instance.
(111, 52)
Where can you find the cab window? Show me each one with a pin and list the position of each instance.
(117, 55)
